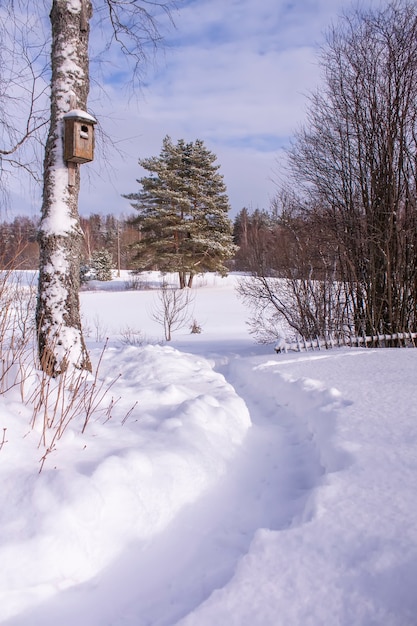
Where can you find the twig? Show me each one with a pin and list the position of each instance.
(4, 440)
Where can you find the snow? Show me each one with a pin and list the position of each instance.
(226, 485)
(57, 220)
(81, 115)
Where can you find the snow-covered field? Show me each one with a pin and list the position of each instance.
(228, 486)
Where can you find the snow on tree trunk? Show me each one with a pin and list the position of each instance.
(60, 340)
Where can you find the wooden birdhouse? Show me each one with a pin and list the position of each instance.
(79, 136)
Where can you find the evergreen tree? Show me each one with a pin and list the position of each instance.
(102, 264)
(183, 212)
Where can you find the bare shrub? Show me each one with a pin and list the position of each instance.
(136, 282)
(100, 328)
(3, 440)
(132, 337)
(71, 396)
(171, 309)
(294, 307)
(17, 328)
(195, 328)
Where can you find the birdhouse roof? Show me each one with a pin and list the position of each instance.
(80, 115)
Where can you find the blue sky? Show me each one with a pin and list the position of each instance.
(234, 73)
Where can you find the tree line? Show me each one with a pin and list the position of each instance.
(113, 234)
(124, 239)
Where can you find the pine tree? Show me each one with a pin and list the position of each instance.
(183, 212)
(102, 264)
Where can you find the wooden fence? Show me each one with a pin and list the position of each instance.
(406, 339)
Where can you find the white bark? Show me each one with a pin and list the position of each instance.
(61, 343)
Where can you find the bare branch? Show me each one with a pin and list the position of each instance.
(172, 308)
(135, 28)
(23, 90)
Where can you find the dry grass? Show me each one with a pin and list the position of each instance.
(73, 397)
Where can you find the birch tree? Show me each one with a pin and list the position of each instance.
(357, 159)
(60, 339)
(58, 318)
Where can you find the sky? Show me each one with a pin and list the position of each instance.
(235, 74)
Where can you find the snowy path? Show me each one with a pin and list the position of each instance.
(185, 515)
(267, 486)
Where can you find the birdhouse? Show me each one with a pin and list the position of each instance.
(79, 136)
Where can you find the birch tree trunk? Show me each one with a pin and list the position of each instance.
(60, 340)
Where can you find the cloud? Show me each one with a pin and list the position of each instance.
(234, 74)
